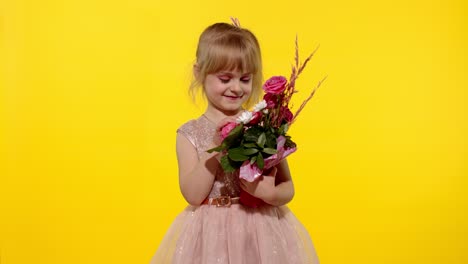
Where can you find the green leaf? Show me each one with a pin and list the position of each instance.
(236, 130)
(249, 151)
(261, 140)
(218, 148)
(250, 145)
(284, 129)
(233, 135)
(289, 143)
(253, 159)
(260, 161)
(226, 164)
(252, 134)
(269, 151)
(237, 154)
(270, 140)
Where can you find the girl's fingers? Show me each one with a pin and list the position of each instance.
(273, 172)
(242, 182)
(224, 121)
(245, 185)
(270, 172)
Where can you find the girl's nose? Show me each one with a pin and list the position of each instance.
(235, 87)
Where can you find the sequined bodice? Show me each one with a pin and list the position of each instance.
(201, 133)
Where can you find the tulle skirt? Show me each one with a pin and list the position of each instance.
(237, 234)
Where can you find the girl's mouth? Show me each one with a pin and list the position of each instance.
(233, 97)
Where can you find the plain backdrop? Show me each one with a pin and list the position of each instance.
(92, 92)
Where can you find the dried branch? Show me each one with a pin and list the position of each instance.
(306, 61)
(296, 57)
(307, 100)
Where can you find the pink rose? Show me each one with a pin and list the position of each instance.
(271, 100)
(227, 128)
(257, 116)
(275, 85)
(286, 114)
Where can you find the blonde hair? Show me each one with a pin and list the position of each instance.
(228, 47)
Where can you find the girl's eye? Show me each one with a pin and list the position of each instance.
(246, 80)
(223, 80)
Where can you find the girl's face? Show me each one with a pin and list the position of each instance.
(227, 91)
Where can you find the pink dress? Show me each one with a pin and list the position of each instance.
(237, 234)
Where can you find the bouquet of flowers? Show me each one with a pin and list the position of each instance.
(258, 140)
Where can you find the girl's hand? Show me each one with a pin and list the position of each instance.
(220, 126)
(263, 187)
(224, 121)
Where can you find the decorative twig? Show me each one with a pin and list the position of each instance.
(296, 58)
(307, 100)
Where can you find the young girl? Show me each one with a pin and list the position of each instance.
(215, 227)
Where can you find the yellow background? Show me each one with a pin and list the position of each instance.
(93, 91)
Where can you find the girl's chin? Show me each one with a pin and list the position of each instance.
(230, 108)
(233, 102)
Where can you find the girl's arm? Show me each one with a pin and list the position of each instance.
(275, 187)
(284, 190)
(196, 176)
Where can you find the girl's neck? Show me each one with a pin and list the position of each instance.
(216, 115)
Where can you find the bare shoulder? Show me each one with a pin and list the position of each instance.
(186, 138)
(187, 155)
(184, 143)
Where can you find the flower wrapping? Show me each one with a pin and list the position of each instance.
(250, 172)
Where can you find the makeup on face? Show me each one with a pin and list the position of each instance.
(225, 77)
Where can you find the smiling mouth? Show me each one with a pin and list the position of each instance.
(233, 97)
